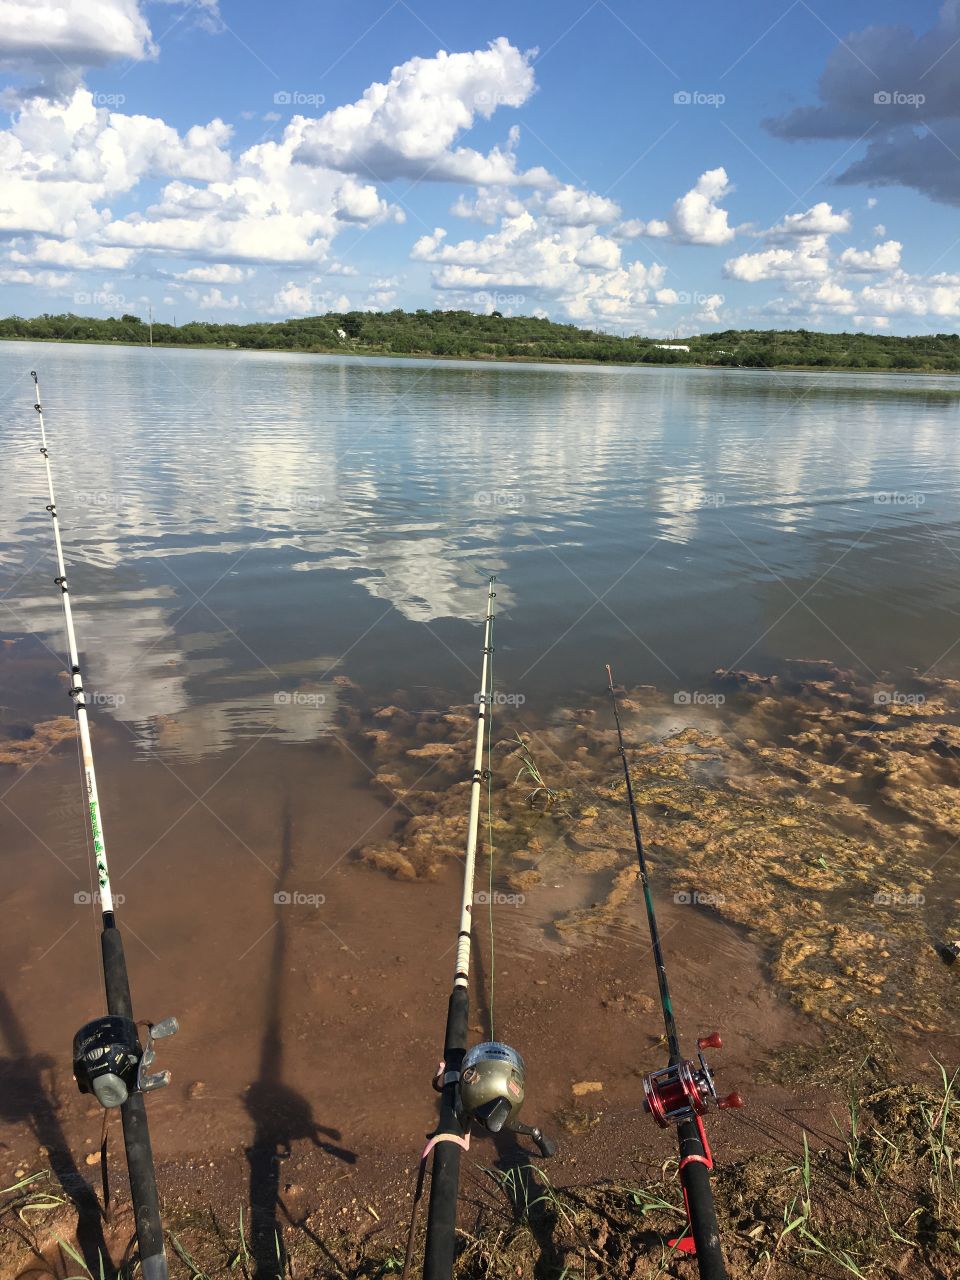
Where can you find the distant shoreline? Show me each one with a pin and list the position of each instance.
(482, 358)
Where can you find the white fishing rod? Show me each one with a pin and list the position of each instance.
(485, 1084)
(108, 1059)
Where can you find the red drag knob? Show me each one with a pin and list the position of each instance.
(712, 1041)
(731, 1102)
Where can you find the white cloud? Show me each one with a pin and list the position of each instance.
(696, 217)
(213, 299)
(910, 295)
(882, 257)
(574, 207)
(37, 279)
(872, 322)
(534, 259)
(819, 220)
(69, 253)
(809, 259)
(302, 300)
(219, 273)
(64, 36)
(406, 128)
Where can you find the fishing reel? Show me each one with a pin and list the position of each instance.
(109, 1062)
(684, 1091)
(492, 1088)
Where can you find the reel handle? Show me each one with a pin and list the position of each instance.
(712, 1041)
(546, 1146)
(732, 1102)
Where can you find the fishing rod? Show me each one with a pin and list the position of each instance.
(108, 1058)
(486, 1084)
(682, 1091)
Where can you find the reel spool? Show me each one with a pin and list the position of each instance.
(492, 1089)
(109, 1062)
(684, 1091)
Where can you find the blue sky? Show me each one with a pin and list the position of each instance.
(638, 168)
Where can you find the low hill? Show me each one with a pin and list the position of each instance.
(463, 333)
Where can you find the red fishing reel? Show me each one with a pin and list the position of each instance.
(684, 1091)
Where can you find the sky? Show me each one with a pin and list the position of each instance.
(632, 167)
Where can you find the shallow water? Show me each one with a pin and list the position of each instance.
(237, 522)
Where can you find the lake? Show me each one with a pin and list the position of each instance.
(232, 516)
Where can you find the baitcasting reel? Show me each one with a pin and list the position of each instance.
(684, 1091)
(109, 1062)
(492, 1091)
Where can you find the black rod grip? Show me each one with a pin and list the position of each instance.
(136, 1133)
(441, 1244)
(695, 1177)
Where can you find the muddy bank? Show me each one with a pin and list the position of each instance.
(800, 834)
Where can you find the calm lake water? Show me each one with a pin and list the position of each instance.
(236, 523)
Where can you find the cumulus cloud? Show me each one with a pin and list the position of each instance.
(218, 273)
(533, 258)
(882, 257)
(63, 37)
(697, 218)
(303, 300)
(805, 261)
(68, 253)
(905, 294)
(895, 85)
(819, 220)
(407, 127)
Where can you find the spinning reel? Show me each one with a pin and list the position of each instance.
(492, 1087)
(109, 1062)
(684, 1091)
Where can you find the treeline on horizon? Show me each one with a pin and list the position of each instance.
(466, 334)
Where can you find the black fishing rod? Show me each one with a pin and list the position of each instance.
(108, 1058)
(681, 1092)
(485, 1084)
